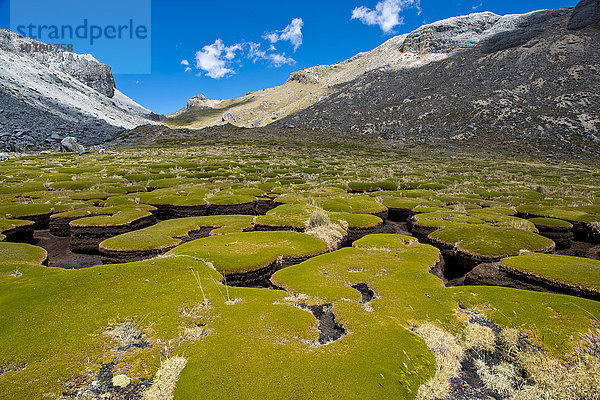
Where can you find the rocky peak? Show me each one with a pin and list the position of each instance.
(83, 67)
(200, 100)
(450, 35)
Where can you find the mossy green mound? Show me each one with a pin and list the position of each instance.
(176, 196)
(572, 271)
(426, 223)
(372, 186)
(27, 210)
(119, 218)
(353, 204)
(551, 223)
(89, 195)
(389, 242)
(250, 251)
(400, 202)
(295, 216)
(81, 213)
(490, 242)
(228, 199)
(564, 213)
(7, 224)
(167, 234)
(21, 253)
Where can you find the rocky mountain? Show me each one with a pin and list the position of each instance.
(199, 101)
(399, 56)
(302, 89)
(46, 95)
(523, 82)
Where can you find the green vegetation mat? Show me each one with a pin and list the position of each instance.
(167, 234)
(491, 241)
(14, 253)
(250, 251)
(59, 329)
(574, 271)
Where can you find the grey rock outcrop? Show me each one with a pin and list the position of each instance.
(587, 13)
(522, 29)
(228, 116)
(200, 100)
(530, 85)
(449, 35)
(83, 67)
(305, 77)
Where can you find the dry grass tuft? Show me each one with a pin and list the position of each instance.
(509, 337)
(318, 218)
(460, 208)
(500, 378)
(523, 374)
(560, 379)
(520, 224)
(333, 235)
(448, 355)
(479, 338)
(320, 226)
(165, 380)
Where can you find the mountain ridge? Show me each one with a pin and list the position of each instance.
(532, 88)
(428, 43)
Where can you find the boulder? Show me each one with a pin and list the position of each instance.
(305, 77)
(69, 144)
(4, 157)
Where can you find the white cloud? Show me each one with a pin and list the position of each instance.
(278, 60)
(219, 61)
(386, 13)
(215, 59)
(477, 6)
(275, 59)
(254, 52)
(291, 33)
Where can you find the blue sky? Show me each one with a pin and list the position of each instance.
(228, 44)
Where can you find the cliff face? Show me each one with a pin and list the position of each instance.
(45, 96)
(83, 67)
(452, 34)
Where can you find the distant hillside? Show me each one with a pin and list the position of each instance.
(531, 84)
(301, 90)
(430, 43)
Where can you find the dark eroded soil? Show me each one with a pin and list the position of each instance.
(59, 254)
(582, 249)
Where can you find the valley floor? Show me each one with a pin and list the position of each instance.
(228, 268)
